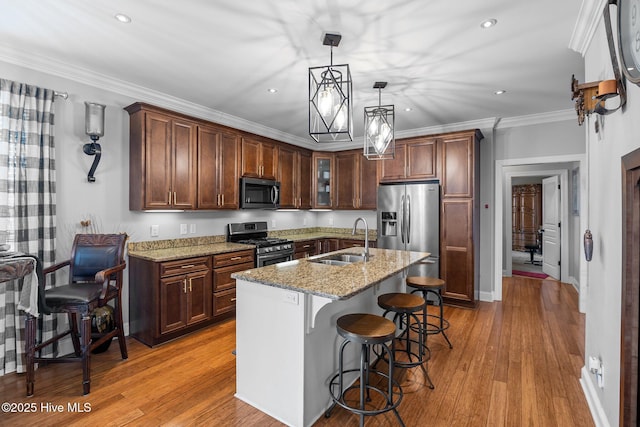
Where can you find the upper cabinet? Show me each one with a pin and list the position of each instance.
(162, 150)
(259, 158)
(322, 193)
(416, 159)
(458, 169)
(294, 174)
(218, 168)
(356, 181)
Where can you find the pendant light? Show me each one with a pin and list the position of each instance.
(330, 99)
(379, 123)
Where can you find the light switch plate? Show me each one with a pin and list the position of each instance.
(183, 228)
(155, 230)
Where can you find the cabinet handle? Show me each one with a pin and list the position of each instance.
(306, 246)
(222, 204)
(169, 203)
(174, 198)
(190, 280)
(188, 266)
(235, 258)
(184, 285)
(218, 200)
(233, 299)
(320, 250)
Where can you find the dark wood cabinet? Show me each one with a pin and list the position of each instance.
(305, 249)
(294, 174)
(218, 168)
(356, 181)
(458, 171)
(322, 180)
(416, 159)
(168, 299)
(162, 150)
(224, 286)
(526, 209)
(460, 216)
(327, 245)
(259, 158)
(354, 243)
(171, 298)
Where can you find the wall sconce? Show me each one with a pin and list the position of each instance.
(94, 127)
(591, 97)
(330, 99)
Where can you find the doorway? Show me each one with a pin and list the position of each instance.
(555, 165)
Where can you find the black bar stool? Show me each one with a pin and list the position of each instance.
(405, 308)
(366, 330)
(433, 286)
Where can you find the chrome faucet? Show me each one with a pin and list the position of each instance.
(366, 236)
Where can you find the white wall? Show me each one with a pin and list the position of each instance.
(619, 135)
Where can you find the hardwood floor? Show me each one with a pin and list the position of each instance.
(514, 363)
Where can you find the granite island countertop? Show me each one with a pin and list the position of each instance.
(331, 281)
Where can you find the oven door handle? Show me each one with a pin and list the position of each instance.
(274, 195)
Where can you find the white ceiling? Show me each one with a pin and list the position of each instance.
(223, 55)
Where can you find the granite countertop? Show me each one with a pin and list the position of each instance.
(331, 281)
(180, 252)
(322, 233)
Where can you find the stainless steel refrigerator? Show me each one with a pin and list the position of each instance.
(409, 219)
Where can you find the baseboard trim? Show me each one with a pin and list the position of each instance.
(590, 393)
(574, 282)
(486, 296)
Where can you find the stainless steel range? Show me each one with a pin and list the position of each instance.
(269, 250)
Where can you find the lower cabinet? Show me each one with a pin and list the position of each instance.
(327, 245)
(354, 243)
(172, 298)
(185, 289)
(224, 287)
(305, 249)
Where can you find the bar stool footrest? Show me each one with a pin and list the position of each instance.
(391, 404)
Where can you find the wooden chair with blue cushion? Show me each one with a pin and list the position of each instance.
(95, 277)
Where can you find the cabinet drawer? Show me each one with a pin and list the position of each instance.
(233, 258)
(224, 301)
(183, 266)
(222, 276)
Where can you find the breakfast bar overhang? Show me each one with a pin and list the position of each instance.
(286, 339)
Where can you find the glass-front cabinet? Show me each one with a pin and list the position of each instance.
(323, 169)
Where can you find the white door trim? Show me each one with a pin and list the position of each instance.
(499, 194)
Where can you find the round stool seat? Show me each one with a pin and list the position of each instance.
(425, 282)
(401, 303)
(365, 328)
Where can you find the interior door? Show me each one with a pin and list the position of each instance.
(551, 226)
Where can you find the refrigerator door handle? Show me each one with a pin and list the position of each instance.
(408, 219)
(402, 218)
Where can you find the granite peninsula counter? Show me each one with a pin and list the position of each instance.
(286, 339)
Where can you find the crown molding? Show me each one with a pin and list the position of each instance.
(536, 119)
(140, 93)
(586, 25)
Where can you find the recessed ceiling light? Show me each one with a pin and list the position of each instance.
(500, 92)
(121, 17)
(272, 90)
(488, 23)
(408, 109)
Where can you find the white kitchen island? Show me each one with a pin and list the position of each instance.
(286, 339)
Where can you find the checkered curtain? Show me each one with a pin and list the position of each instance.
(27, 199)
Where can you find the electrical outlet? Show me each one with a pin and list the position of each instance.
(291, 297)
(331, 221)
(183, 228)
(273, 223)
(192, 228)
(155, 230)
(304, 221)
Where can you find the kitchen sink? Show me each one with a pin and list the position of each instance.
(338, 259)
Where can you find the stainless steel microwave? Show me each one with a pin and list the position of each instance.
(259, 193)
